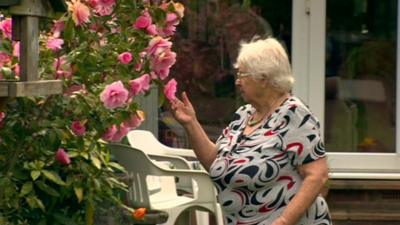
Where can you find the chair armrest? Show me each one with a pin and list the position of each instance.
(202, 179)
(178, 162)
(182, 152)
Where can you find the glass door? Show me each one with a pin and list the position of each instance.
(360, 75)
(356, 42)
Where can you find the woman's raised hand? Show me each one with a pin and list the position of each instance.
(183, 110)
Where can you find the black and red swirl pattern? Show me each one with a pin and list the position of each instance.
(256, 175)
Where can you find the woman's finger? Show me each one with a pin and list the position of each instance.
(185, 99)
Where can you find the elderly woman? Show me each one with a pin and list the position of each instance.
(269, 163)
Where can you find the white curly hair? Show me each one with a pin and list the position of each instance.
(266, 59)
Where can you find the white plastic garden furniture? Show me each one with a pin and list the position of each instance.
(165, 198)
(145, 140)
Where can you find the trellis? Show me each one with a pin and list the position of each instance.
(25, 28)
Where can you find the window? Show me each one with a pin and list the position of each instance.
(360, 85)
(345, 57)
(206, 44)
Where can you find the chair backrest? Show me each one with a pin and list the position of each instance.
(139, 166)
(364, 90)
(143, 139)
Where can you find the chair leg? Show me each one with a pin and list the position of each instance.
(218, 216)
(202, 218)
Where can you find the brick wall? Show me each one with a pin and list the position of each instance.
(364, 202)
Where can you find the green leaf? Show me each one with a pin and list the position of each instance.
(116, 166)
(69, 30)
(39, 203)
(53, 177)
(96, 184)
(47, 189)
(34, 202)
(85, 155)
(35, 174)
(96, 162)
(26, 189)
(73, 154)
(116, 183)
(79, 193)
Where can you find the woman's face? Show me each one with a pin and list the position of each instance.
(249, 87)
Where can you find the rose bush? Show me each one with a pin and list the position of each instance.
(54, 167)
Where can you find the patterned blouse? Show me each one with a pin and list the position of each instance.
(256, 175)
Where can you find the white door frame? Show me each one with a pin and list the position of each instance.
(308, 60)
(308, 54)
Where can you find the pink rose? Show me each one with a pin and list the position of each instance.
(93, 3)
(54, 43)
(121, 133)
(168, 30)
(125, 57)
(134, 120)
(103, 10)
(172, 18)
(162, 63)
(157, 45)
(78, 128)
(170, 90)
(135, 87)
(62, 157)
(114, 95)
(107, 136)
(62, 68)
(102, 7)
(143, 21)
(4, 58)
(140, 85)
(115, 133)
(152, 30)
(164, 6)
(107, 2)
(16, 48)
(145, 82)
(2, 116)
(80, 12)
(6, 27)
(58, 27)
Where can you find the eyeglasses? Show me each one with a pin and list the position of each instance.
(240, 75)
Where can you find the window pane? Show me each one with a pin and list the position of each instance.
(361, 75)
(206, 44)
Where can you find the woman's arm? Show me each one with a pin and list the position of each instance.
(185, 114)
(315, 175)
(205, 149)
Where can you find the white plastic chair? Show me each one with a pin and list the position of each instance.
(145, 140)
(139, 167)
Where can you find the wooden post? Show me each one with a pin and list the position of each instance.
(25, 28)
(29, 48)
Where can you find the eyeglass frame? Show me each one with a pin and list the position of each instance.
(240, 75)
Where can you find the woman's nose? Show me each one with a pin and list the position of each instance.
(237, 82)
